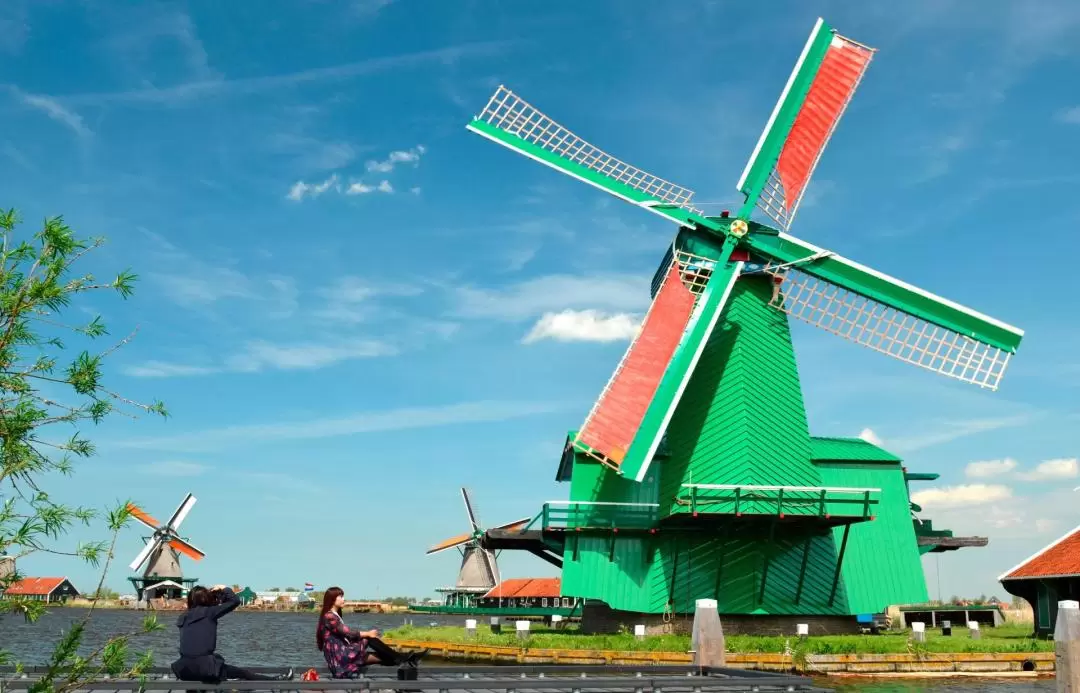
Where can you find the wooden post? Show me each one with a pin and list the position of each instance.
(707, 635)
(1067, 647)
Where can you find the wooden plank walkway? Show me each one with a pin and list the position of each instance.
(499, 679)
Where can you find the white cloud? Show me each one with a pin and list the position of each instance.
(612, 293)
(401, 156)
(869, 436)
(1070, 115)
(364, 422)
(953, 430)
(174, 468)
(300, 189)
(54, 110)
(963, 495)
(987, 468)
(1044, 525)
(260, 355)
(584, 326)
(360, 188)
(1064, 468)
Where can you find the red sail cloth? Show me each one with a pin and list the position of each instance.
(616, 420)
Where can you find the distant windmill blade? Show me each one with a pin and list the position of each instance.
(181, 512)
(469, 509)
(145, 553)
(451, 543)
(143, 516)
(491, 565)
(516, 524)
(187, 549)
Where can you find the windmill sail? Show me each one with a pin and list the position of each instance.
(890, 316)
(625, 425)
(514, 123)
(816, 94)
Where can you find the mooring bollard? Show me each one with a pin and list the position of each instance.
(918, 631)
(802, 630)
(707, 635)
(1067, 647)
(470, 626)
(973, 630)
(522, 629)
(946, 627)
(639, 632)
(496, 625)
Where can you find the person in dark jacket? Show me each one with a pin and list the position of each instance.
(198, 640)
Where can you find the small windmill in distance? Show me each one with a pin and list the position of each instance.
(479, 571)
(163, 576)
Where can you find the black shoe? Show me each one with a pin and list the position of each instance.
(287, 676)
(415, 657)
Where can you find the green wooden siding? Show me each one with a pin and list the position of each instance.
(741, 419)
(854, 449)
(882, 565)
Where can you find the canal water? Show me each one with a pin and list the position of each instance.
(282, 638)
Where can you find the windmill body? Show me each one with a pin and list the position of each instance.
(162, 576)
(695, 474)
(479, 570)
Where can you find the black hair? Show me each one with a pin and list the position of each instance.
(199, 596)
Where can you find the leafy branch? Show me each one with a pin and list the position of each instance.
(47, 395)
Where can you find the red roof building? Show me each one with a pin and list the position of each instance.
(525, 587)
(1051, 575)
(46, 589)
(529, 593)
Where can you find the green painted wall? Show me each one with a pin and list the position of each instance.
(882, 565)
(741, 419)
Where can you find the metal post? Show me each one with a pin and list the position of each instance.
(1067, 647)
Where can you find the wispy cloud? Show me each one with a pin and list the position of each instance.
(300, 189)
(949, 431)
(1069, 115)
(989, 468)
(173, 468)
(259, 356)
(367, 9)
(401, 156)
(869, 436)
(364, 189)
(584, 326)
(223, 87)
(620, 293)
(52, 108)
(960, 496)
(365, 422)
(1064, 468)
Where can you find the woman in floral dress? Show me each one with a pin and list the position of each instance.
(348, 652)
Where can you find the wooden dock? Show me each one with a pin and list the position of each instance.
(492, 679)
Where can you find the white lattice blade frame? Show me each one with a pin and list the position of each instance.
(891, 331)
(508, 112)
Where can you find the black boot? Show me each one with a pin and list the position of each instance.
(413, 658)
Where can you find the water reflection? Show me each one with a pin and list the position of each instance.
(250, 638)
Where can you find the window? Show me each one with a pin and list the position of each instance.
(543, 602)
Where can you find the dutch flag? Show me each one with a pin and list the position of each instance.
(308, 587)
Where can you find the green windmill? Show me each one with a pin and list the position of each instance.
(695, 475)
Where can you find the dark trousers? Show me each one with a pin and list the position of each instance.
(386, 654)
(212, 669)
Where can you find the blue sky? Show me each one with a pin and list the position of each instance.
(343, 293)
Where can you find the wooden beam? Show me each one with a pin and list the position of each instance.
(802, 568)
(839, 565)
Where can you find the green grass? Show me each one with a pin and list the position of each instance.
(999, 640)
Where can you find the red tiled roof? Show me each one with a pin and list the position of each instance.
(526, 587)
(1059, 559)
(34, 586)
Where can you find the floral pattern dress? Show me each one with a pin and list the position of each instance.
(343, 649)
